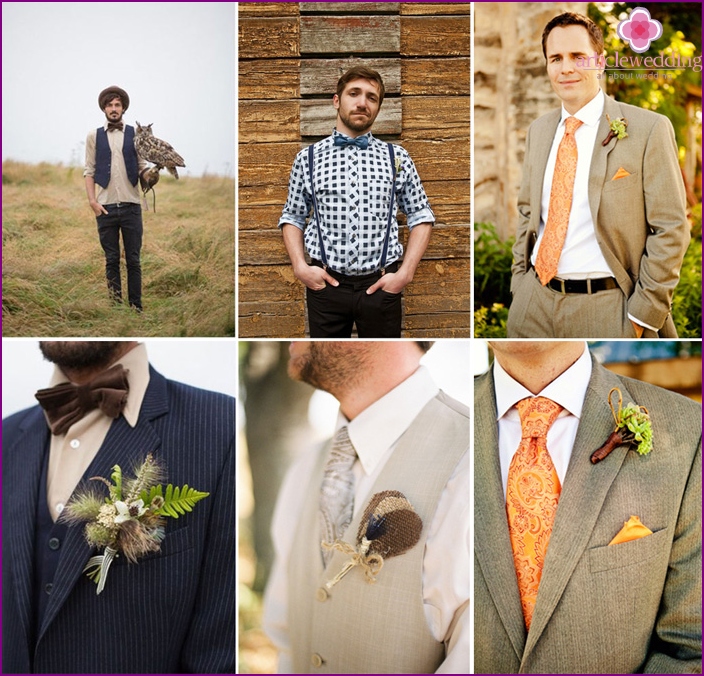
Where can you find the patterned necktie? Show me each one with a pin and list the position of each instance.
(532, 493)
(337, 490)
(560, 204)
(66, 404)
(360, 141)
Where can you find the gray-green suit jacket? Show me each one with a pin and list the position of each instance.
(626, 608)
(640, 220)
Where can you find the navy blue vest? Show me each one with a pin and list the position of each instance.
(103, 157)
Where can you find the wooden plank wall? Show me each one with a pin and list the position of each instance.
(279, 113)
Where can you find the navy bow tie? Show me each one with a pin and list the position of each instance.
(361, 141)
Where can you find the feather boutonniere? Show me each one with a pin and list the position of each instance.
(389, 527)
(617, 128)
(633, 427)
(131, 519)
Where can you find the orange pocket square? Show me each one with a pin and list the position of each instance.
(632, 529)
(621, 173)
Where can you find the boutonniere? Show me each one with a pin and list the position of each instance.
(389, 527)
(131, 519)
(617, 128)
(633, 427)
(398, 164)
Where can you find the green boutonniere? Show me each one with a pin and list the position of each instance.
(633, 427)
(617, 128)
(131, 520)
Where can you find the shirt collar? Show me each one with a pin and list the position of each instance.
(380, 425)
(568, 389)
(336, 133)
(590, 114)
(137, 364)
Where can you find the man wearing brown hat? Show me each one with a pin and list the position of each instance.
(111, 174)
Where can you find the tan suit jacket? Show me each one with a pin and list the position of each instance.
(627, 608)
(640, 220)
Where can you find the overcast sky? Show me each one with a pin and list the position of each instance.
(176, 61)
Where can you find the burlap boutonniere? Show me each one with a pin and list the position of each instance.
(617, 128)
(633, 427)
(389, 527)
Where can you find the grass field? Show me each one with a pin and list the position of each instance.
(53, 268)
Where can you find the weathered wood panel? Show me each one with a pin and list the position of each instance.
(268, 38)
(447, 242)
(421, 113)
(446, 332)
(435, 36)
(266, 163)
(349, 7)
(437, 324)
(273, 320)
(269, 79)
(449, 200)
(435, 77)
(260, 218)
(272, 283)
(438, 160)
(269, 121)
(441, 277)
(318, 117)
(434, 8)
(246, 9)
(262, 195)
(355, 34)
(320, 76)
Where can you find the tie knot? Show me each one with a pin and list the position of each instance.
(572, 124)
(537, 416)
(342, 448)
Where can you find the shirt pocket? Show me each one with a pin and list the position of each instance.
(630, 553)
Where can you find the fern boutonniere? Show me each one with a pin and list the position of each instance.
(131, 519)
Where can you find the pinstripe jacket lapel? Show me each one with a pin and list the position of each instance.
(492, 545)
(584, 491)
(124, 446)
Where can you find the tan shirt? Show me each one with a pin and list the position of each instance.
(70, 454)
(119, 188)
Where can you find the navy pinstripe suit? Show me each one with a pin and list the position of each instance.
(173, 612)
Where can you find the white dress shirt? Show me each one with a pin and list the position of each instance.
(374, 434)
(568, 390)
(581, 256)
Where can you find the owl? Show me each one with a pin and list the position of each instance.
(153, 149)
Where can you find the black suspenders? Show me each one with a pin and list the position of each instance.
(384, 253)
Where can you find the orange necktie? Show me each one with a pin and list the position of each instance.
(532, 493)
(560, 204)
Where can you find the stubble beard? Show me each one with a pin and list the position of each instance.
(361, 126)
(80, 354)
(330, 367)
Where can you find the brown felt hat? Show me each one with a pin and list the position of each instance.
(110, 93)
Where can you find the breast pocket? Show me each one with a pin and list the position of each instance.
(625, 183)
(631, 553)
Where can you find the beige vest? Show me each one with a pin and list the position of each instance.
(357, 627)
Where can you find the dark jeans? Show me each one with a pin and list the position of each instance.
(126, 218)
(334, 310)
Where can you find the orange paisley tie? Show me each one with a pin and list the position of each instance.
(532, 493)
(560, 204)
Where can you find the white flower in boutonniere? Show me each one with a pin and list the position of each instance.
(398, 164)
(131, 520)
(633, 427)
(617, 128)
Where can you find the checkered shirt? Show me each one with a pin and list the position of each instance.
(353, 190)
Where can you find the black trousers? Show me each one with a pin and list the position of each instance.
(334, 310)
(125, 218)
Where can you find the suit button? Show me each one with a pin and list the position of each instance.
(316, 660)
(321, 594)
(54, 543)
(48, 587)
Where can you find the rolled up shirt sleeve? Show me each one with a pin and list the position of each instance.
(299, 202)
(411, 196)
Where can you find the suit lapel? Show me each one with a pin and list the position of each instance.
(583, 495)
(542, 146)
(124, 446)
(492, 545)
(19, 520)
(597, 170)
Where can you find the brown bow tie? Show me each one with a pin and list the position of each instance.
(67, 403)
(115, 125)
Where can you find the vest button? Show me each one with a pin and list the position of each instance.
(54, 543)
(48, 587)
(321, 594)
(316, 660)
(75, 443)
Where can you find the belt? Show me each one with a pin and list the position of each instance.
(393, 267)
(589, 286)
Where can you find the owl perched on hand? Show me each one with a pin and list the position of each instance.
(153, 149)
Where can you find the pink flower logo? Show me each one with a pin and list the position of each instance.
(639, 30)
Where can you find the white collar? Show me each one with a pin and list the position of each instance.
(589, 114)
